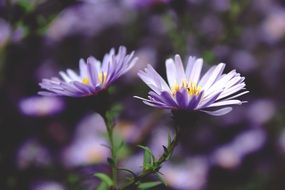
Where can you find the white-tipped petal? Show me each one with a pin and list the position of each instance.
(226, 103)
(196, 71)
(180, 73)
(170, 72)
(214, 75)
(219, 112)
(64, 76)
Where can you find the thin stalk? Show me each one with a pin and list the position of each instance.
(113, 153)
(159, 162)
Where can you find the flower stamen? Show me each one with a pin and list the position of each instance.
(102, 77)
(85, 81)
(192, 88)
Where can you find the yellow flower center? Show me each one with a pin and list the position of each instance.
(192, 88)
(102, 76)
(85, 81)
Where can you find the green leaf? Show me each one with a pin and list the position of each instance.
(104, 178)
(26, 5)
(165, 149)
(148, 185)
(102, 186)
(149, 158)
(169, 140)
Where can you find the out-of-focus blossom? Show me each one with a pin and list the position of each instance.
(41, 106)
(274, 26)
(87, 18)
(231, 155)
(186, 90)
(260, 117)
(88, 144)
(221, 5)
(159, 138)
(144, 3)
(85, 151)
(32, 153)
(211, 26)
(133, 163)
(46, 69)
(250, 37)
(5, 32)
(244, 61)
(249, 141)
(91, 126)
(128, 131)
(94, 76)
(226, 157)
(48, 185)
(263, 5)
(191, 175)
(281, 141)
(147, 55)
(221, 51)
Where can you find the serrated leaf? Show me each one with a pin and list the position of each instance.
(104, 178)
(148, 158)
(148, 185)
(169, 140)
(165, 149)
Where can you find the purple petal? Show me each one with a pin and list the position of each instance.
(182, 98)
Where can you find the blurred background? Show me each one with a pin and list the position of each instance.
(56, 143)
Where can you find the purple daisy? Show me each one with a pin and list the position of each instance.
(213, 93)
(93, 76)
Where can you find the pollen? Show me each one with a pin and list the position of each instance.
(175, 88)
(85, 81)
(192, 88)
(102, 77)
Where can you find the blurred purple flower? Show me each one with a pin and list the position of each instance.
(91, 126)
(257, 116)
(85, 151)
(48, 185)
(274, 26)
(147, 55)
(32, 153)
(189, 175)
(5, 32)
(87, 18)
(87, 146)
(144, 3)
(281, 141)
(94, 76)
(244, 61)
(231, 155)
(186, 90)
(41, 106)
(221, 5)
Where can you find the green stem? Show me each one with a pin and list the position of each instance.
(113, 153)
(159, 162)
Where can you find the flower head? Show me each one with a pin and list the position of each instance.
(93, 76)
(213, 93)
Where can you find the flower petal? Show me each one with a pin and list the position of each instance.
(219, 112)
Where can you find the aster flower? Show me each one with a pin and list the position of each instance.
(93, 76)
(213, 93)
